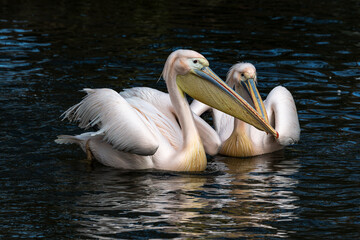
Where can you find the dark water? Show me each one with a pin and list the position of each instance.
(49, 51)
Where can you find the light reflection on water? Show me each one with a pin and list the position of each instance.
(49, 52)
(232, 196)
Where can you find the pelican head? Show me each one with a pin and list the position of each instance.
(194, 77)
(243, 77)
(241, 72)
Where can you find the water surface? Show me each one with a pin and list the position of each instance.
(49, 51)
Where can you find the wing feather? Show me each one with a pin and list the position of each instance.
(168, 124)
(122, 126)
(198, 107)
(281, 106)
(158, 99)
(158, 107)
(223, 123)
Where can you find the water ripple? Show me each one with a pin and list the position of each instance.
(50, 51)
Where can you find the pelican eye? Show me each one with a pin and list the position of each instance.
(195, 61)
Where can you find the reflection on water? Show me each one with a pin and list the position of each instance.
(234, 199)
(50, 50)
(261, 190)
(155, 204)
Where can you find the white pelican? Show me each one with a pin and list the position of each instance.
(135, 132)
(240, 139)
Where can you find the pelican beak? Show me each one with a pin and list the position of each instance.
(204, 85)
(250, 86)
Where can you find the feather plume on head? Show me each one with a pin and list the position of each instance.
(174, 63)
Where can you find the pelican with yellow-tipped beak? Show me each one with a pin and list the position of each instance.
(238, 138)
(147, 129)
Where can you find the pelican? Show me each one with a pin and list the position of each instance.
(142, 129)
(239, 139)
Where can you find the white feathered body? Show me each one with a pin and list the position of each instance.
(246, 140)
(137, 129)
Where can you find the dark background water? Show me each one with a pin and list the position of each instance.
(50, 50)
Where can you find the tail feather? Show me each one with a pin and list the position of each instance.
(67, 139)
(78, 139)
